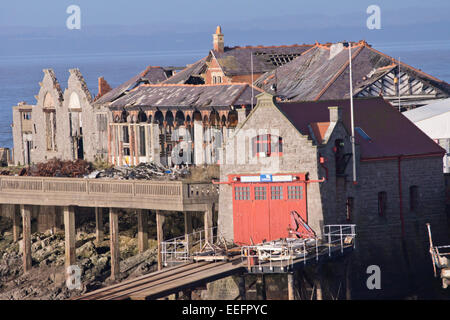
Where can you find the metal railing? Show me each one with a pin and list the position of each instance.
(339, 234)
(181, 249)
(282, 253)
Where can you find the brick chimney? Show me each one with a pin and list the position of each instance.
(103, 87)
(218, 43)
(335, 114)
(242, 114)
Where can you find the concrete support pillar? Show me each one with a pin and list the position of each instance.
(99, 232)
(16, 222)
(69, 240)
(26, 239)
(188, 228)
(114, 242)
(142, 230)
(159, 236)
(291, 286)
(53, 219)
(208, 223)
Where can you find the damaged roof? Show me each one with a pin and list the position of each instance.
(187, 96)
(186, 75)
(237, 60)
(152, 74)
(322, 73)
(391, 133)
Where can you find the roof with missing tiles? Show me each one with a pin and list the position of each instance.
(237, 60)
(321, 73)
(187, 96)
(191, 71)
(151, 74)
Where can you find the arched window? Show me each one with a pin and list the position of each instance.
(267, 145)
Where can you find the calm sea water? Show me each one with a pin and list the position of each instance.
(20, 75)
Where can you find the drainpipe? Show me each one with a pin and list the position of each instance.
(400, 194)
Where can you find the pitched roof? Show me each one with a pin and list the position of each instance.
(428, 111)
(191, 71)
(187, 96)
(323, 73)
(151, 74)
(391, 134)
(237, 60)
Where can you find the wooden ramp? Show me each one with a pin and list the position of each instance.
(167, 281)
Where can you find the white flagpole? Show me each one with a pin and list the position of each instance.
(351, 112)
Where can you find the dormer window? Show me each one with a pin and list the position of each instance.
(267, 145)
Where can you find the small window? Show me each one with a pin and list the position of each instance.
(260, 193)
(382, 203)
(27, 115)
(126, 136)
(276, 193)
(126, 151)
(350, 207)
(242, 193)
(414, 198)
(295, 192)
(267, 145)
(142, 142)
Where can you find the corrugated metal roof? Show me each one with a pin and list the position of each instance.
(391, 133)
(428, 111)
(187, 96)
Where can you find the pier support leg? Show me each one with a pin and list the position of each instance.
(99, 231)
(69, 240)
(114, 242)
(16, 222)
(159, 236)
(208, 223)
(26, 239)
(260, 287)
(188, 229)
(291, 286)
(241, 286)
(142, 230)
(348, 285)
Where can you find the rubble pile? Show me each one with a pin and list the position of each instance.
(58, 168)
(143, 171)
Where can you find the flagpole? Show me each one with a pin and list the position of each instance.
(351, 112)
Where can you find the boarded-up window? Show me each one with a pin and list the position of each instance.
(50, 130)
(102, 122)
(267, 145)
(142, 144)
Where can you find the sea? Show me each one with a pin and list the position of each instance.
(20, 74)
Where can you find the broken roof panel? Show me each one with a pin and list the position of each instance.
(391, 134)
(187, 96)
(428, 111)
(237, 60)
(151, 74)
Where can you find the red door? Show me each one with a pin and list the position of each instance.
(261, 211)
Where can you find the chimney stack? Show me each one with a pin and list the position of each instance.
(242, 114)
(218, 42)
(335, 114)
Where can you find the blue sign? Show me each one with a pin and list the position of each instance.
(266, 178)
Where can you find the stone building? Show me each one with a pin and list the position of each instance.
(303, 151)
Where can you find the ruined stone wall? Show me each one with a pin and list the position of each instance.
(18, 151)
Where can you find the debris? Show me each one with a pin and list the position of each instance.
(143, 171)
